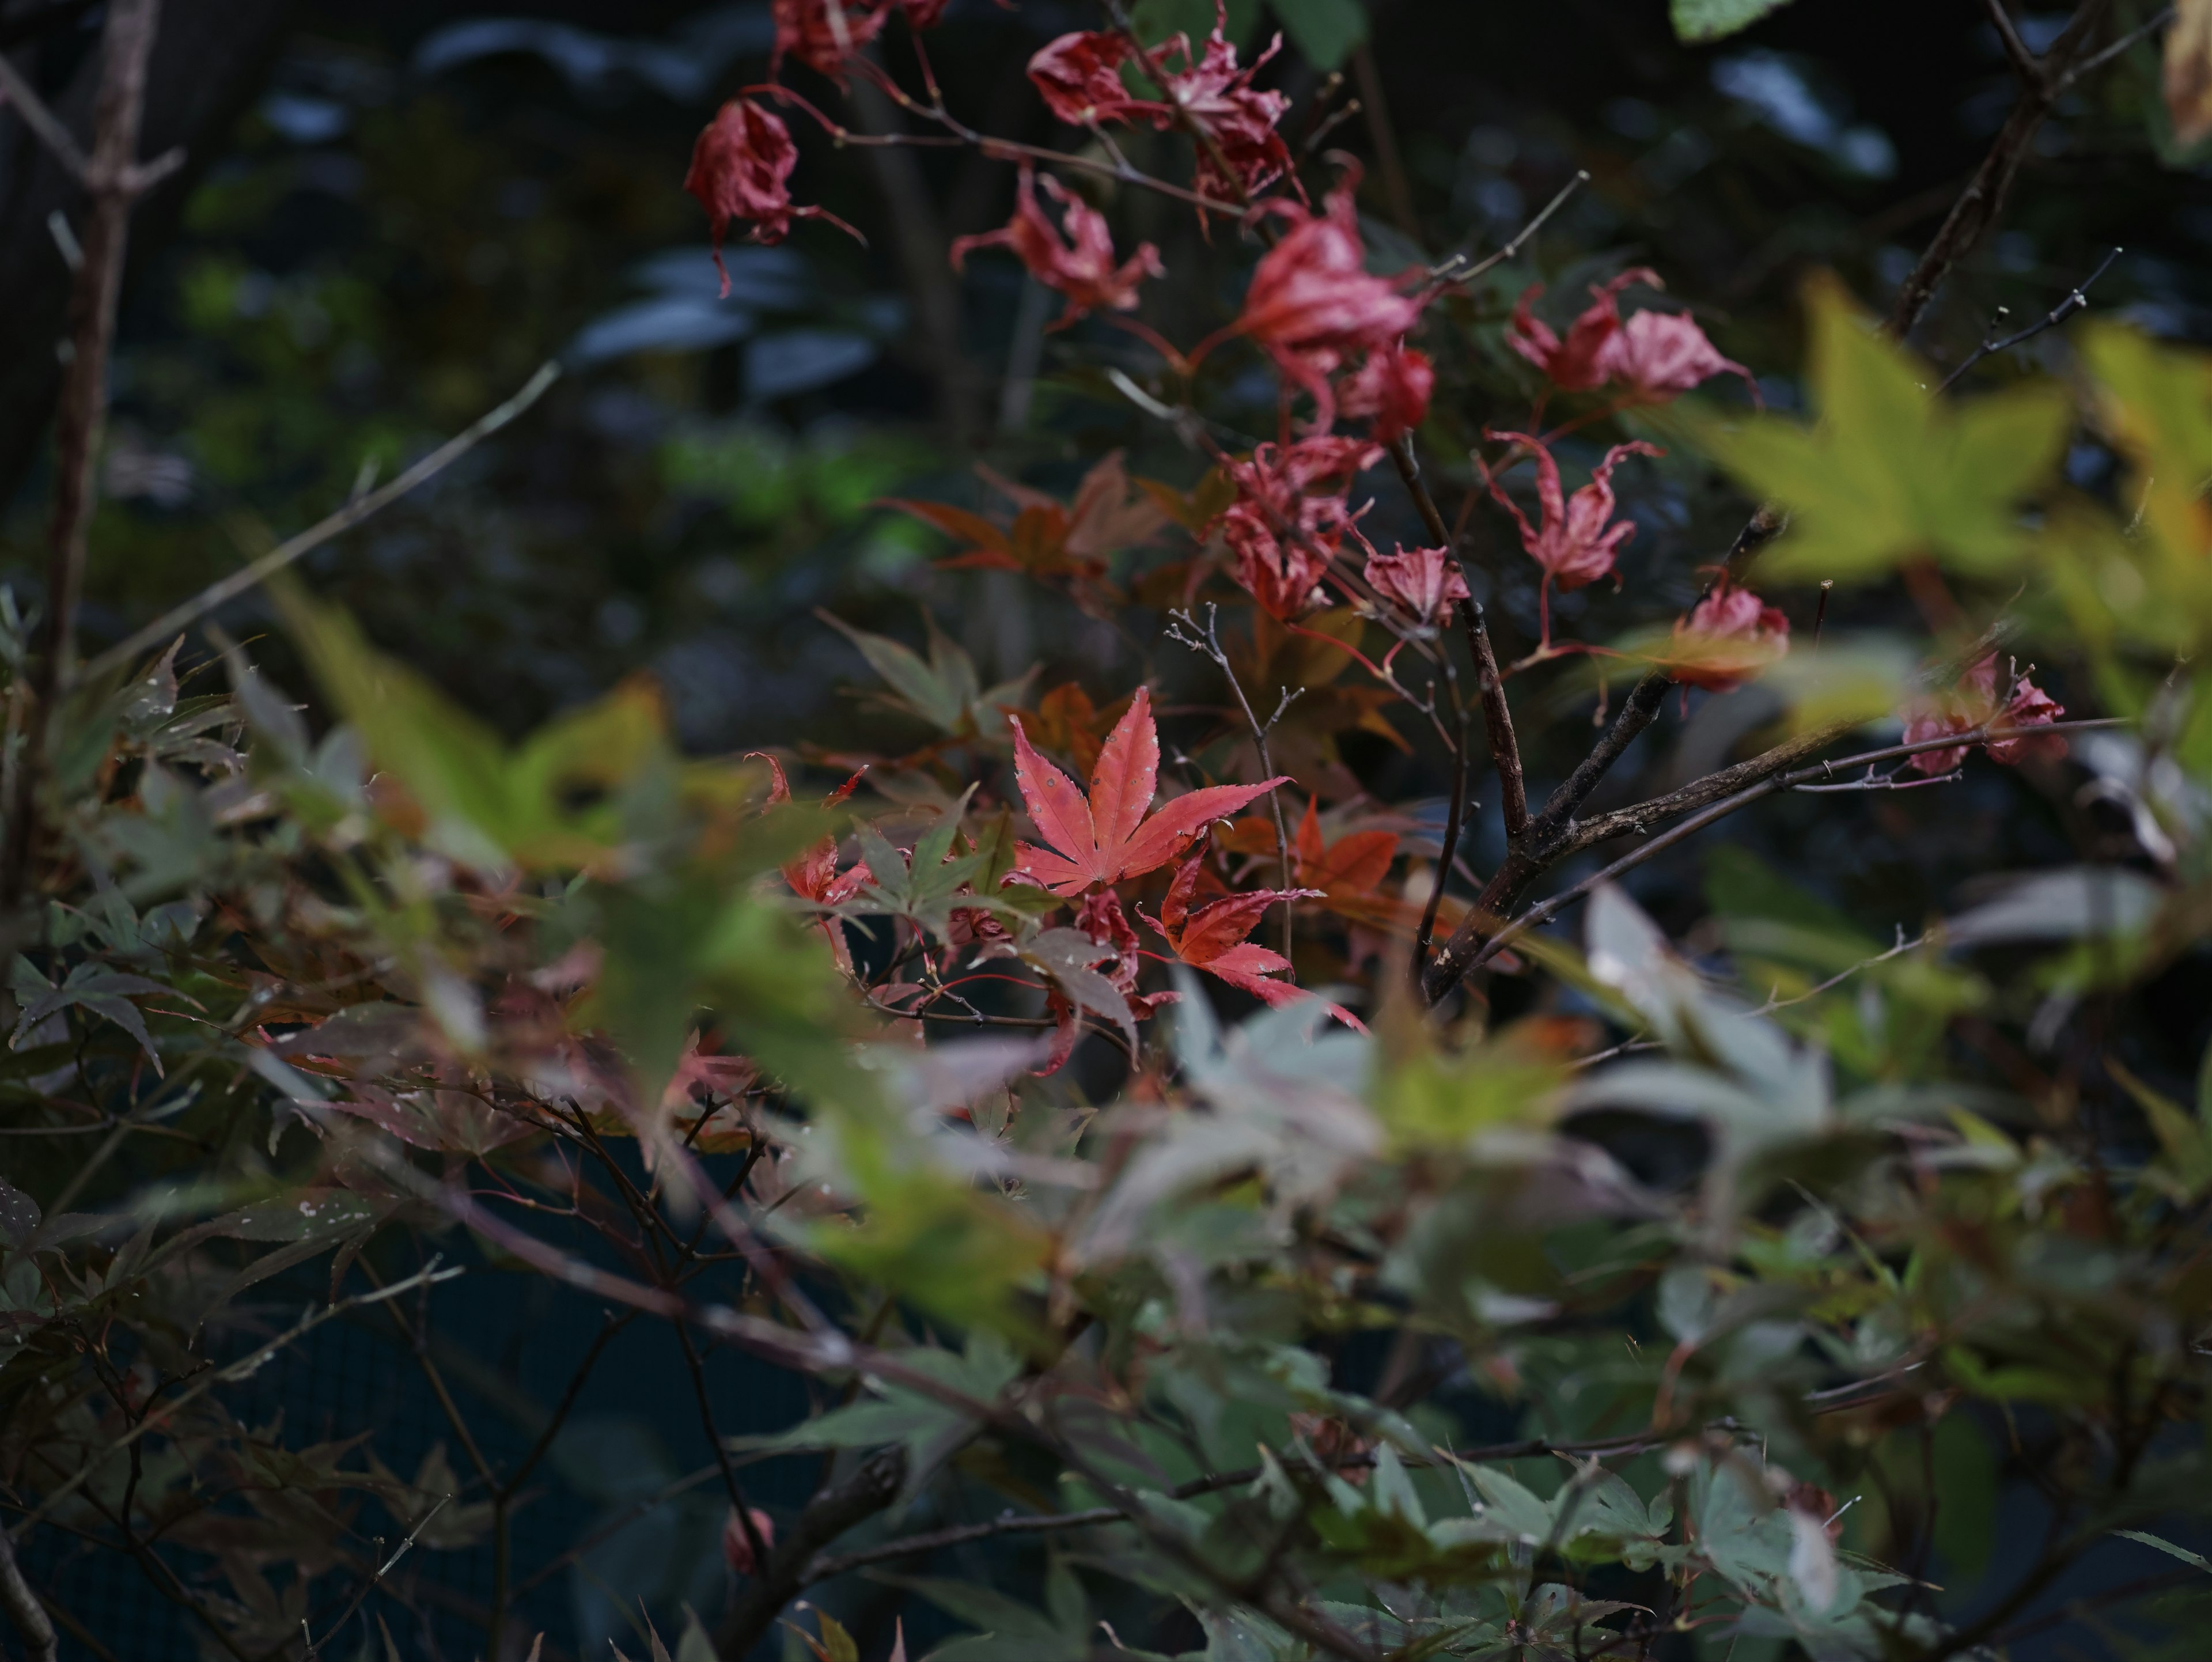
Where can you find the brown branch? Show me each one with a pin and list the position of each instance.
(871, 1487)
(1539, 849)
(1970, 219)
(1976, 211)
(1497, 713)
(24, 1611)
(126, 46)
(46, 126)
(1545, 911)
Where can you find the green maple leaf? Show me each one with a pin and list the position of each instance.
(1891, 471)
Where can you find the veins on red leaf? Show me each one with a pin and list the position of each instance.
(1426, 582)
(1099, 840)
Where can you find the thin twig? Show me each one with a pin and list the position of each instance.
(227, 589)
(1183, 630)
(2076, 300)
(46, 126)
(1978, 207)
(1450, 273)
(1545, 911)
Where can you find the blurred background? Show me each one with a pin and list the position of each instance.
(395, 210)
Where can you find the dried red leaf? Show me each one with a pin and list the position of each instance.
(1728, 637)
(823, 34)
(1580, 537)
(1391, 389)
(1078, 76)
(1578, 363)
(1080, 264)
(1290, 517)
(1973, 703)
(1313, 303)
(740, 169)
(1424, 581)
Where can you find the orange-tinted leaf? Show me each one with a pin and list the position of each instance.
(953, 522)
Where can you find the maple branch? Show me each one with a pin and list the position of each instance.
(1545, 911)
(224, 590)
(1536, 851)
(126, 47)
(2076, 300)
(1209, 644)
(1455, 812)
(1497, 713)
(1976, 211)
(1453, 270)
(46, 126)
(29, 1616)
(836, 1507)
(1969, 220)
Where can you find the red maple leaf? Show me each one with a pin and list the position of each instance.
(1211, 938)
(1109, 836)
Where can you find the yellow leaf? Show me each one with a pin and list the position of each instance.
(1891, 471)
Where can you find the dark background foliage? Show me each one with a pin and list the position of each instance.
(394, 211)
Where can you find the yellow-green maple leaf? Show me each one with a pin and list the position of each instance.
(1891, 471)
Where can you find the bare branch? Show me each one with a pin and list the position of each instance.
(46, 126)
(1455, 269)
(32, 1624)
(1976, 211)
(227, 589)
(2024, 62)
(1183, 630)
(1545, 911)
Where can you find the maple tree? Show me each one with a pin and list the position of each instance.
(1776, 1248)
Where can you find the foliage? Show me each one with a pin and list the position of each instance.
(1789, 1266)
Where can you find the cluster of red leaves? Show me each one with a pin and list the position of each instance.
(1653, 357)
(1240, 153)
(1290, 518)
(1338, 335)
(1974, 704)
(1313, 303)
